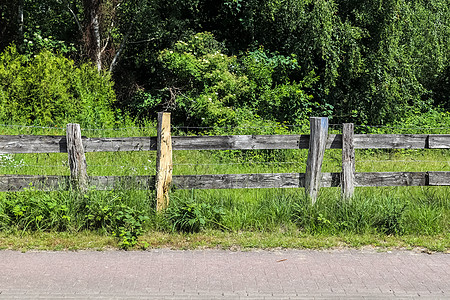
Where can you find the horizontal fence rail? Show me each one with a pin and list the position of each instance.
(14, 144)
(10, 183)
(347, 179)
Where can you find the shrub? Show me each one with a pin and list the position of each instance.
(204, 84)
(100, 211)
(206, 87)
(276, 91)
(129, 225)
(33, 210)
(189, 215)
(48, 89)
(108, 212)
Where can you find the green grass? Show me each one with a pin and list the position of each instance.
(216, 239)
(245, 219)
(383, 217)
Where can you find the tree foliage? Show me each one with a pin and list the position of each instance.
(373, 61)
(207, 87)
(49, 89)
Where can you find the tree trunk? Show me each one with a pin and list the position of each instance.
(92, 32)
(97, 41)
(20, 19)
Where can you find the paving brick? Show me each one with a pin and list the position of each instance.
(213, 274)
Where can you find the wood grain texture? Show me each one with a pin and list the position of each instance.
(240, 142)
(348, 161)
(11, 144)
(119, 144)
(317, 144)
(249, 142)
(55, 144)
(439, 178)
(216, 181)
(390, 141)
(13, 183)
(439, 141)
(391, 179)
(164, 164)
(122, 182)
(239, 181)
(77, 159)
(226, 181)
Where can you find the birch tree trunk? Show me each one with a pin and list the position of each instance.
(20, 19)
(92, 32)
(101, 18)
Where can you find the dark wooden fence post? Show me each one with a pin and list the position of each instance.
(348, 161)
(77, 159)
(317, 143)
(163, 161)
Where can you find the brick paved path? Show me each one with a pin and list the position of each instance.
(214, 274)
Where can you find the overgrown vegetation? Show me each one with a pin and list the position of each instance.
(49, 90)
(422, 213)
(226, 67)
(68, 211)
(210, 88)
(128, 215)
(214, 62)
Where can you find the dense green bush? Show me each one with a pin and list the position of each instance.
(203, 83)
(275, 92)
(127, 215)
(48, 89)
(104, 212)
(129, 225)
(33, 210)
(207, 87)
(373, 60)
(192, 215)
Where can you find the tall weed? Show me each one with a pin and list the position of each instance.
(105, 212)
(191, 215)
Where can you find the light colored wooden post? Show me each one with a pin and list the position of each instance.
(317, 143)
(77, 159)
(163, 161)
(348, 161)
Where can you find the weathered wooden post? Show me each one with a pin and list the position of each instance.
(348, 161)
(163, 161)
(77, 159)
(317, 143)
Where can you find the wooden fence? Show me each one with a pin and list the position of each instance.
(317, 142)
